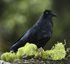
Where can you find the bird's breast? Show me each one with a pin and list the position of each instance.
(43, 35)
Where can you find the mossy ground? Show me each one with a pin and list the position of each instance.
(39, 60)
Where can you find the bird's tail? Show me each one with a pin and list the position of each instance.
(17, 45)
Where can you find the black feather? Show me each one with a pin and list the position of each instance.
(39, 34)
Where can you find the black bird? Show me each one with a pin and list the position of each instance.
(39, 34)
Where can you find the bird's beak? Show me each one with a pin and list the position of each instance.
(53, 13)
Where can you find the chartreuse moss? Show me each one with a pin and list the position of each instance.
(8, 56)
(56, 53)
(28, 50)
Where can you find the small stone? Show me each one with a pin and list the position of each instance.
(32, 61)
(3, 62)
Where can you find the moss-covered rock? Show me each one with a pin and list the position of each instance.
(28, 50)
(57, 52)
(8, 56)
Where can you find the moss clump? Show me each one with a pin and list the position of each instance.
(57, 52)
(8, 56)
(28, 50)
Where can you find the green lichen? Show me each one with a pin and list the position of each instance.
(57, 52)
(8, 56)
(28, 50)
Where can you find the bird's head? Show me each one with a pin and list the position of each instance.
(49, 13)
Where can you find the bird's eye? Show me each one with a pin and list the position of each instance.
(46, 12)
